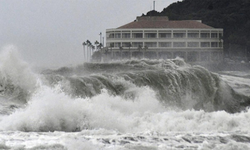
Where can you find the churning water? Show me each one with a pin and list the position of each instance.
(134, 104)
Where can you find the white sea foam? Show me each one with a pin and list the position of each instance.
(107, 121)
(51, 109)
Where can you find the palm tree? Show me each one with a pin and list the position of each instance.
(100, 46)
(84, 55)
(97, 43)
(89, 44)
(92, 50)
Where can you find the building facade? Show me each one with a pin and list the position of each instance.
(160, 38)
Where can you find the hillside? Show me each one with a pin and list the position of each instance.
(231, 15)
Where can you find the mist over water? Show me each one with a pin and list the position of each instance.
(133, 104)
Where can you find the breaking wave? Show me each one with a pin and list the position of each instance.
(127, 96)
(17, 81)
(174, 82)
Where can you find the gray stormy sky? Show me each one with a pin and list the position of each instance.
(50, 32)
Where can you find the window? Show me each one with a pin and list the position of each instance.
(179, 44)
(193, 35)
(150, 35)
(126, 44)
(165, 44)
(117, 35)
(205, 35)
(179, 35)
(205, 44)
(111, 35)
(125, 35)
(151, 44)
(164, 35)
(117, 45)
(214, 44)
(214, 35)
(111, 44)
(193, 44)
(137, 44)
(137, 35)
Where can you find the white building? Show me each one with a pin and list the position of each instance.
(159, 37)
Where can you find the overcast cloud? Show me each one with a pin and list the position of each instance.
(50, 32)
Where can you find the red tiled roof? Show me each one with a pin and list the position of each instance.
(151, 23)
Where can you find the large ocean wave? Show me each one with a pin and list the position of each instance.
(127, 96)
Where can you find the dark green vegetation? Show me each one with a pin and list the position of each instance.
(231, 15)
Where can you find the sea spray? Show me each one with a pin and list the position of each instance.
(52, 110)
(17, 81)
